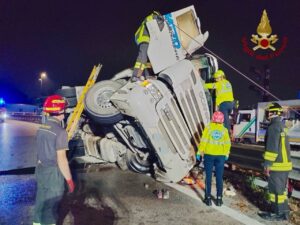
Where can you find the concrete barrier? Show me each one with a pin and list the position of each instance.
(25, 116)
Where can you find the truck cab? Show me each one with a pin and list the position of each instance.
(152, 126)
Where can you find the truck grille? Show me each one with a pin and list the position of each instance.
(176, 129)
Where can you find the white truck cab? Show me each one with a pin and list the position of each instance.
(152, 126)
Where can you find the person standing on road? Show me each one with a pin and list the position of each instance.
(142, 39)
(277, 164)
(214, 148)
(52, 164)
(224, 95)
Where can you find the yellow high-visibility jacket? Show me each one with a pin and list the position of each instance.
(142, 34)
(215, 140)
(223, 91)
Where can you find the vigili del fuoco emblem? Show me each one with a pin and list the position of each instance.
(264, 40)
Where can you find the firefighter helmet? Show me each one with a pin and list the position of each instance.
(54, 104)
(274, 108)
(219, 73)
(218, 117)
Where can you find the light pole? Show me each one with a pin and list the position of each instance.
(43, 75)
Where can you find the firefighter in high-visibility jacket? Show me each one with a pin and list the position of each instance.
(224, 95)
(142, 38)
(214, 148)
(277, 164)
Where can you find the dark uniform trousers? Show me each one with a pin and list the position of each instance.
(277, 182)
(48, 197)
(143, 60)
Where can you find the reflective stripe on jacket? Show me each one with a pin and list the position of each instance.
(142, 34)
(277, 154)
(223, 91)
(215, 140)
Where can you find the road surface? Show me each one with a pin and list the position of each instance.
(104, 194)
(17, 144)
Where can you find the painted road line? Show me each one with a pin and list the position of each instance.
(191, 191)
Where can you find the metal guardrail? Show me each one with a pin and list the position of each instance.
(251, 157)
(25, 116)
(264, 184)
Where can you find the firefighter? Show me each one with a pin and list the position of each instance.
(277, 164)
(142, 38)
(214, 148)
(52, 165)
(224, 95)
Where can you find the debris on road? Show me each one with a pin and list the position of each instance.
(187, 180)
(162, 194)
(166, 194)
(230, 191)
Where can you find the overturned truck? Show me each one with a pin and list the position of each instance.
(152, 126)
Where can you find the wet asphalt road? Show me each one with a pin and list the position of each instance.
(17, 145)
(104, 194)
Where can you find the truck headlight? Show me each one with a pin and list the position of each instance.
(155, 93)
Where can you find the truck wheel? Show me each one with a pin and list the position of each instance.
(98, 105)
(137, 164)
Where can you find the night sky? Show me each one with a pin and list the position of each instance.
(66, 38)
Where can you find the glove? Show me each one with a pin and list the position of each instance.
(226, 157)
(71, 185)
(198, 157)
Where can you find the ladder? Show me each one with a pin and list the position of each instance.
(75, 116)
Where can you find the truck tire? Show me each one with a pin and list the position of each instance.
(66, 92)
(97, 103)
(137, 164)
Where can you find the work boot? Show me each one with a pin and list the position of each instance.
(273, 216)
(207, 201)
(219, 201)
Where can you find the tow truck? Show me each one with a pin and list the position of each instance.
(3, 113)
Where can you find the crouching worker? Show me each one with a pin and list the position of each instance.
(52, 165)
(214, 149)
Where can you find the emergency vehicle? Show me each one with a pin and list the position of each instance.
(250, 126)
(3, 112)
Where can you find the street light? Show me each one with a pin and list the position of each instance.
(43, 75)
